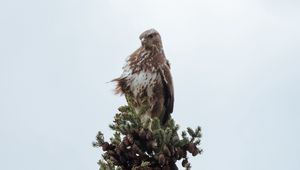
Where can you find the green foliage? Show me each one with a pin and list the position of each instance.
(135, 146)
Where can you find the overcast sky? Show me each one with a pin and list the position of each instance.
(235, 65)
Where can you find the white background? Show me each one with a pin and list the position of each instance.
(235, 64)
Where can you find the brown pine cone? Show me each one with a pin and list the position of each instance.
(161, 159)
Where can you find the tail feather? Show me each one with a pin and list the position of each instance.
(121, 85)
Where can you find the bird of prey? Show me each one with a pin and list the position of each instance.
(146, 80)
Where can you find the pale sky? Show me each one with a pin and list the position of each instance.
(235, 65)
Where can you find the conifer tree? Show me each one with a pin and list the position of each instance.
(146, 146)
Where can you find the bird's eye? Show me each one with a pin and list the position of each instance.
(150, 36)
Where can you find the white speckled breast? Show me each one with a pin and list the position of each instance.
(142, 81)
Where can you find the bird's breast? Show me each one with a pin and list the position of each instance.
(143, 82)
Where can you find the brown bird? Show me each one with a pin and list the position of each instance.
(146, 80)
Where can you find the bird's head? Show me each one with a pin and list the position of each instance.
(151, 39)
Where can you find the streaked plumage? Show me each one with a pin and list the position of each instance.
(146, 79)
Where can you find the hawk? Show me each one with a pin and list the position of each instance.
(146, 80)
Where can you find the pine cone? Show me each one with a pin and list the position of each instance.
(161, 159)
(184, 162)
(105, 146)
(142, 134)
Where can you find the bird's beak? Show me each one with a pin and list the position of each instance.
(143, 40)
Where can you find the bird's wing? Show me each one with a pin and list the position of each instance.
(168, 90)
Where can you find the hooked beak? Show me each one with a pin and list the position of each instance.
(143, 40)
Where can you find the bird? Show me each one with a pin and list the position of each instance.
(146, 80)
